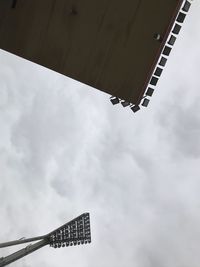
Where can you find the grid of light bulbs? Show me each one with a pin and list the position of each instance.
(76, 232)
(161, 63)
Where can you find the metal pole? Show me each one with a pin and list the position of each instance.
(23, 252)
(21, 241)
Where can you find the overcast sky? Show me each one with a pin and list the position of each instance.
(65, 150)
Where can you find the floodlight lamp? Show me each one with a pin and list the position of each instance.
(114, 100)
(172, 40)
(125, 103)
(135, 108)
(145, 102)
(163, 61)
(186, 6)
(167, 50)
(71, 233)
(158, 72)
(181, 17)
(176, 29)
(154, 80)
(149, 91)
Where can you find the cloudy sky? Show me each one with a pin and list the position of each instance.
(65, 150)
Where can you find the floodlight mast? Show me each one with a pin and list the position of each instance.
(75, 232)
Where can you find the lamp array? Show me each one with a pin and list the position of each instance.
(161, 62)
(75, 232)
(166, 51)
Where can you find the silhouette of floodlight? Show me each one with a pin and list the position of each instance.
(158, 71)
(167, 50)
(73, 233)
(114, 100)
(135, 108)
(181, 17)
(154, 80)
(163, 61)
(149, 91)
(176, 29)
(186, 6)
(172, 40)
(145, 102)
(125, 103)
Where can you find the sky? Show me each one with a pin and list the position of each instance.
(65, 150)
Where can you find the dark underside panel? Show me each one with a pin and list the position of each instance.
(107, 44)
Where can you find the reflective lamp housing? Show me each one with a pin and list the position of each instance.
(75, 232)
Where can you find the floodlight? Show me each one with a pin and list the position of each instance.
(125, 103)
(145, 102)
(186, 6)
(167, 50)
(163, 61)
(181, 17)
(72, 233)
(135, 108)
(172, 40)
(176, 29)
(154, 80)
(114, 100)
(158, 71)
(149, 91)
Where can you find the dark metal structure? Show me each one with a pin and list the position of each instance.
(119, 47)
(75, 232)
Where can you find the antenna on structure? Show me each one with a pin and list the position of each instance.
(75, 232)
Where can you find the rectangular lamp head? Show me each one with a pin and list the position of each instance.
(149, 91)
(167, 50)
(154, 80)
(135, 108)
(114, 100)
(172, 40)
(181, 17)
(158, 71)
(125, 103)
(176, 29)
(163, 61)
(186, 6)
(145, 102)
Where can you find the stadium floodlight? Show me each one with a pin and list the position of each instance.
(186, 6)
(114, 100)
(125, 103)
(158, 71)
(163, 61)
(172, 40)
(145, 102)
(75, 232)
(149, 91)
(181, 17)
(154, 80)
(167, 50)
(176, 29)
(135, 108)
